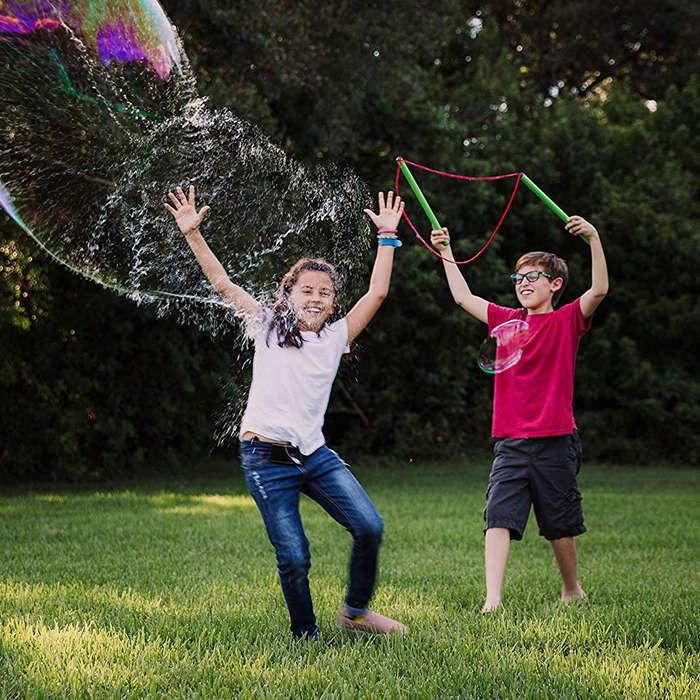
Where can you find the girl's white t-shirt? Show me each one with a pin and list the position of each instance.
(291, 386)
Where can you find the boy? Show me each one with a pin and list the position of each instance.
(537, 449)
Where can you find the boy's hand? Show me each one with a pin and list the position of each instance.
(440, 237)
(390, 212)
(578, 226)
(185, 213)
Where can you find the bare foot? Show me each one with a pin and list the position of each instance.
(490, 605)
(575, 594)
(370, 622)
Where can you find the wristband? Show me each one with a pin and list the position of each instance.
(387, 230)
(393, 242)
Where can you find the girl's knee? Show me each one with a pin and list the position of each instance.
(294, 562)
(371, 529)
(293, 556)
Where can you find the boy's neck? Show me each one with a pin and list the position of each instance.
(546, 308)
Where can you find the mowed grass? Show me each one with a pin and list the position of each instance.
(169, 589)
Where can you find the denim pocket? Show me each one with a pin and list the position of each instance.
(254, 455)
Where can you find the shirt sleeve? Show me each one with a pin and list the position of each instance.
(256, 326)
(500, 314)
(341, 328)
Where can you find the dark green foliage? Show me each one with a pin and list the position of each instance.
(586, 44)
(442, 92)
(97, 387)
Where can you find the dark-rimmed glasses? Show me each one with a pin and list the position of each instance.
(516, 278)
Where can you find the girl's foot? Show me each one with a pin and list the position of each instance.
(575, 594)
(370, 622)
(490, 605)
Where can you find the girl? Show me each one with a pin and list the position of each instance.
(283, 451)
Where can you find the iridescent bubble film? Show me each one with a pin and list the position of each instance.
(504, 346)
(125, 31)
(100, 118)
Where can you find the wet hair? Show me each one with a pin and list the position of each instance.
(552, 264)
(284, 322)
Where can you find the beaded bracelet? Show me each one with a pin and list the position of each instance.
(387, 230)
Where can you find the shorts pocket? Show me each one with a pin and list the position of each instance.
(575, 452)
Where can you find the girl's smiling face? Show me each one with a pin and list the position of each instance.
(312, 298)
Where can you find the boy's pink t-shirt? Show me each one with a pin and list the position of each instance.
(534, 398)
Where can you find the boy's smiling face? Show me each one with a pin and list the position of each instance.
(536, 296)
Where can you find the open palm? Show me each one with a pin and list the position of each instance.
(390, 212)
(185, 212)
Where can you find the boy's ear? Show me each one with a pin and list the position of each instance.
(557, 283)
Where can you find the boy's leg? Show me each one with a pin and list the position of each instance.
(557, 502)
(275, 489)
(565, 554)
(332, 485)
(505, 516)
(496, 549)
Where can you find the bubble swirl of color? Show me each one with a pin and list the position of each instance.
(504, 346)
(125, 30)
(100, 118)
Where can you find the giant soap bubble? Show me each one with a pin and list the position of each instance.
(100, 117)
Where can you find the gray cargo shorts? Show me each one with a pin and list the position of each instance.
(538, 471)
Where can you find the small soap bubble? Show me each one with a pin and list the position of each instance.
(504, 346)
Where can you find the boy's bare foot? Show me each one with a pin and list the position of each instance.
(490, 605)
(575, 594)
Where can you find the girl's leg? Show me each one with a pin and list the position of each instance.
(275, 489)
(331, 484)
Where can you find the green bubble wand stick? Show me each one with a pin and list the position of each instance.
(402, 168)
(548, 201)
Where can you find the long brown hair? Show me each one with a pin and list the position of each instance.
(284, 321)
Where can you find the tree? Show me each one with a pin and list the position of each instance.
(446, 85)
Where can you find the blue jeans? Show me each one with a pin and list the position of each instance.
(325, 478)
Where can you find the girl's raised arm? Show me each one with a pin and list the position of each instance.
(188, 220)
(386, 221)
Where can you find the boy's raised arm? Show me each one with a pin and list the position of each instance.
(590, 300)
(461, 293)
(188, 219)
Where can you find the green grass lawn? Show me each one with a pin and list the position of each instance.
(170, 589)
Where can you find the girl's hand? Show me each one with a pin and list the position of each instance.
(390, 213)
(185, 213)
(441, 237)
(578, 226)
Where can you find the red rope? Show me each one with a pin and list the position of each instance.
(469, 178)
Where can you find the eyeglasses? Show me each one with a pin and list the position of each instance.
(532, 276)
